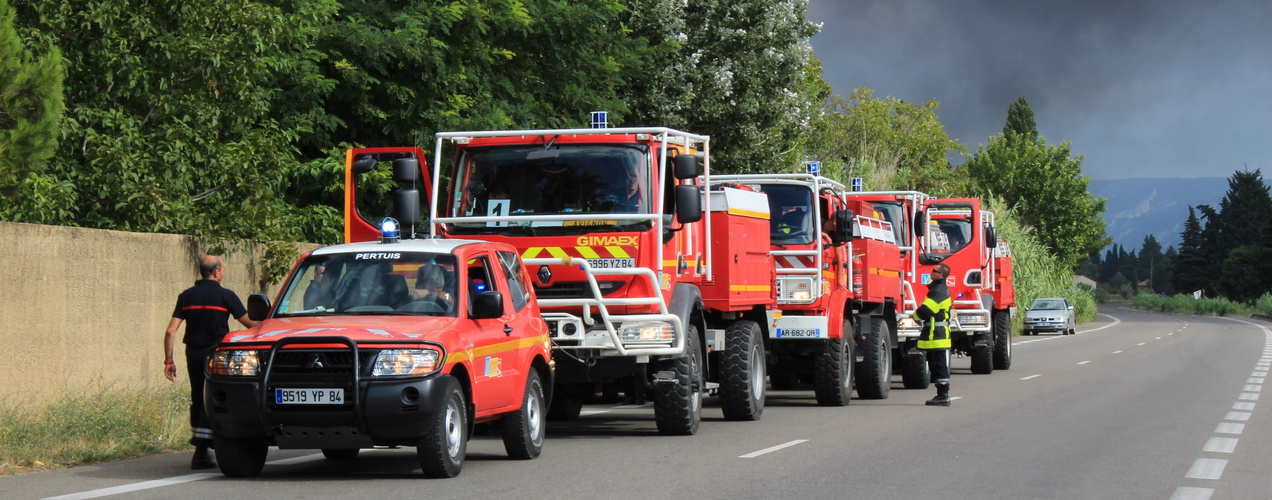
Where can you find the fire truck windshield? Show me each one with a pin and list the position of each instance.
(894, 213)
(958, 231)
(792, 214)
(563, 180)
(418, 283)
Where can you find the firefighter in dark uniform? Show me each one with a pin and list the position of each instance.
(207, 307)
(934, 312)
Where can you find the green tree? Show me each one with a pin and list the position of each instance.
(1046, 185)
(1020, 120)
(1150, 256)
(30, 109)
(1244, 209)
(890, 143)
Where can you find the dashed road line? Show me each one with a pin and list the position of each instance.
(592, 412)
(1192, 494)
(1141, 343)
(297, 460)
(1220, 445)
(1083, 362)
(1117, 352)
(129, 488)
(1207, 468)
(1030, 377)
(772, 449)
(1241, 405)
(1229, 428)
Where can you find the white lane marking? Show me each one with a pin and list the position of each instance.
(952, 398)
(1115, 322)
(633, 407)
(1252, 388)
(145, 485)
(1117, 352)
(1187, 493)
(1241, 416)
(1243, 406)
(592, 412)
(1083, 362)
(1263, 373)
(1254, 380)
(1229, 428)
(1031, 376)
(1171, 333)
(1249, 396)
(1141, 343)
(296, 460)
(1207, 468)
(1158, 338)
(1220, 445)
(772, 449)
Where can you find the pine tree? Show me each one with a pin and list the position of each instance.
(30, 105)
(1150, 257)
(1245, 208)
(1190, 264)
(1020, 120)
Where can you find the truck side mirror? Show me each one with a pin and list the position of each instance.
(991, 236)
(686, 166)
(258, 306)
(364, 164)
(920, 227)
(488, 305)
(843, 226)
(688, 203)
(406, 170)
(406, 207)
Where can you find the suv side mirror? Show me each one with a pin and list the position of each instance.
(686, 166)
(688, 203)
(843, 226)
(406, 170)
(258, 306)
(488, 305)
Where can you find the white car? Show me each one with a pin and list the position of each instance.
(1050, 314)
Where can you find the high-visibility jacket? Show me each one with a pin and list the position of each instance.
(934, 312)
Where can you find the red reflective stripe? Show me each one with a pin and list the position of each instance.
(214, 308)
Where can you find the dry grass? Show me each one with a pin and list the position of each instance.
(91, 425)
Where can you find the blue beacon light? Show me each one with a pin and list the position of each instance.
(389, 231)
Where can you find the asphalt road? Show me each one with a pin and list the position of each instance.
(1137, 405)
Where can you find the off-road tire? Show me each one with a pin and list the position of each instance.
(742, 377)
(240, 457)
(523, 430)
(678, 406)
(1002, 340)
(982, 360)
(874, 371)
(832, 370)
(914, 370)
(341, 454)
(441, 451)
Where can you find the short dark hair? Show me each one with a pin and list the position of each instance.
(207, 269)
(943, 269)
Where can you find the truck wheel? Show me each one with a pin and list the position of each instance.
(567, 403)
(742, 382)
(832, 371)
(982, 359)
(441, 451)
(914, 369)
(874, 371)
(240, 457)
(340, 453)
(523, 429)
(678, 405)
(1002, 340)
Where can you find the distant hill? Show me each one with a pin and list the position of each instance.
(1158, 206)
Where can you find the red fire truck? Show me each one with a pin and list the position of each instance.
(958, 233)
(839, 294)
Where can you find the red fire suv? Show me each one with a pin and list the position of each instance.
(388, 343)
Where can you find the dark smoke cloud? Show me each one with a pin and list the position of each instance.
(1169, 88)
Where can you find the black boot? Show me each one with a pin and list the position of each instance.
(202, 459)
(942, 396)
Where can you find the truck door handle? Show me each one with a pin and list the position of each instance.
(507, 330)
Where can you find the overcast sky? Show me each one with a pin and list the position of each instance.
(1145, 88)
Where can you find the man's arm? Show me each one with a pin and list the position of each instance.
(247, 322)
(169, 343)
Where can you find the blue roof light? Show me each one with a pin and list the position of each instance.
(600, 119)
(389, 230)
(814, 167)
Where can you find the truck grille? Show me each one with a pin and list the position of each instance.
(317, 362)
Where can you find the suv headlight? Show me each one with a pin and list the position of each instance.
(648, 332)
(235, 363)
(406, 362)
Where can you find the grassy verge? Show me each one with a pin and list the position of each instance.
(1206, 306)
(93, 424)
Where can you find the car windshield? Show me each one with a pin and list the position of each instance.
(571, 179)
(1047, 305)
(371, 283)
(791, 207)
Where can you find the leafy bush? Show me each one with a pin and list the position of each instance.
(1207, 306)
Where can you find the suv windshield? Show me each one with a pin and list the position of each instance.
(371, 284)
(791, 209)
(571, 179)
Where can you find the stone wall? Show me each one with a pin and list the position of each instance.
(83, 306)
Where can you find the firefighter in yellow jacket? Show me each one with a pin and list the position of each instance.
(934, 312)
